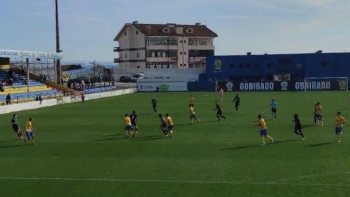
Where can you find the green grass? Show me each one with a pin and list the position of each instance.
(80, 149)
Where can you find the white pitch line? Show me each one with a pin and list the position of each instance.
(305, 177)
(172, 181)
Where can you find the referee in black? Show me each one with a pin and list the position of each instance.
(297, 126)
(237, 101)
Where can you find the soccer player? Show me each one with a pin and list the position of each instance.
(315, 115)
(273, 106)
(237, 100)
(128, 127)
(221, 93)
(191, 100)
(193, 115)
(30, 130)
(170, 124)
(134, 121)
(154, 104)
(297, 126)
(339, 122)
(163, 126)
(318, 112)
(218, 111)
(16, 127)
(263, 130)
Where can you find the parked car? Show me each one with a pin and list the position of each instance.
(137, 76)
(125, 79)
(79, 80)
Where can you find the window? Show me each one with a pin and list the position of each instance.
(299, 66)
(181, 65)
(269, 66)
(232, 66)
(180, 41)
(124, 33)
(241, 66)
(180, 53)
(248, 66)
(184, 41)
(281, 77)
(137, 54)
(256, 65)
(203, 42)
(137, 66)
(166, 30)
(185, 53)
(161, 41)
(325, 64)
(192, 41)
(285, 65)
(161, 53)
(125, 55)
(137, 32)
(184, 64)
(189, 30)
(200, 53)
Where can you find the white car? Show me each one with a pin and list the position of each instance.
(137, 76)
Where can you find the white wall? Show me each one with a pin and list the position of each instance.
(65, 100)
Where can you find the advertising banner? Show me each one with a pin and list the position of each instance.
(161, 85)
(29, 54)
(325, 85)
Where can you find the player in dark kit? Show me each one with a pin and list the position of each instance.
(218, 111)
(16, 127)
(162, 126)
(297, 126)
(154, 104)
(237, 100)
(133, 118)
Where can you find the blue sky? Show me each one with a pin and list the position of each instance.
(87, 27)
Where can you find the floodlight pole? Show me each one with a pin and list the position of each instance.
(58, 49)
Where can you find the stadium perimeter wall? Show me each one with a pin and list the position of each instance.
(63, 100)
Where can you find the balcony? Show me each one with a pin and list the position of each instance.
(117, 60)
(116, 49)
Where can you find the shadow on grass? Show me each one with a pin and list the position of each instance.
(254, 146)
(150, 137)
(116, 134)
(320, 144)
(12, 146)
(241, 147)
(308, 125)
(8, 141)
(106, 139)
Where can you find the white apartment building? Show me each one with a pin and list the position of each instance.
(147, 47)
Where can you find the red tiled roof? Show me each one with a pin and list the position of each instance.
(197, 30)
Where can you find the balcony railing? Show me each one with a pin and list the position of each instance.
(116, 60)
(116, 49)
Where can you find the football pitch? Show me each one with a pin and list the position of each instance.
(81, 150)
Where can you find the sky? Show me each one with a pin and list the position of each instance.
(88, 27)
